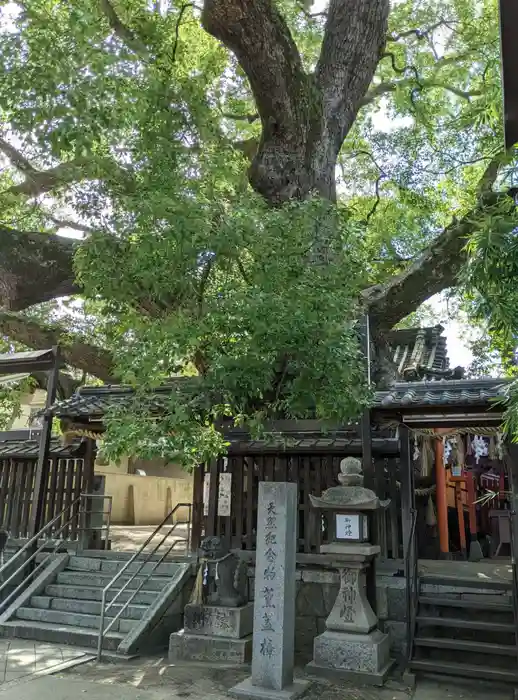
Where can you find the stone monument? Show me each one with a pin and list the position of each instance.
(274, 605)
(352, 646)
(218, 620)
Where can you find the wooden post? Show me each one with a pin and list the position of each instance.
(211, 525)
(441, 498)
(42, 465)
(367, 465)
(460, 515)
(407, 486)
(197, 507)
(87, 536)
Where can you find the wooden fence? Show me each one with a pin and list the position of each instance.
(67, 479)
(231, 513)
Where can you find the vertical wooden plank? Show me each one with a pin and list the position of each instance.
(306, 503)
(251, 498)
(260, 469)
(393, 510)
(211, 524)
(316, 516)
(281, 467)
(269, 468)
(407, 485)
(291, 466)
(53, 481)
(26, 498)
(87, 485)
(379, 478)
(197, 507)
(4, 466)
(60, 491)
(17, 495)
(381, 515)
(367, 465)
(237, 500)
(69, 493)
(10, 497)
(78, 482)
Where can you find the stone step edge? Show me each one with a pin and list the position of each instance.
(99, 588)
(108, 576)
(93, 618)
(86, 631)
(142, 607)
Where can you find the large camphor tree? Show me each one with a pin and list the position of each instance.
(246, 179)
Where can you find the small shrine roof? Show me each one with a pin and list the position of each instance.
(28, 448)
(472, 392)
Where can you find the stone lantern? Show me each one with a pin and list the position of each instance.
(352, 646)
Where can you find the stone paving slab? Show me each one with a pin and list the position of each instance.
(154, 678)
(21, 658)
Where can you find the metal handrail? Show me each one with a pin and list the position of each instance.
(36, 537)
(33, 542)
(104, 607)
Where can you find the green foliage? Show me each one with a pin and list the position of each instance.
(272, 335)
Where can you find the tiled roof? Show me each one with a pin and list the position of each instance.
(31, 361)
(29, 448)
(423, 348)
(25, 356)
(93, 401)
(442, 392)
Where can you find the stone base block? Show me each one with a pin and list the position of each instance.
(197, 647)
(217, 621)
(247, 690)
(359, 657)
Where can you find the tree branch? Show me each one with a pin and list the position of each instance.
(386, 87)
(354, 40)
(38, 182)
(250, 118)
(124, 33)
(75, 351)
(68, 223)
(421, 33)
(34, 267)
(17, 159)
(437, 268)
(259, 37)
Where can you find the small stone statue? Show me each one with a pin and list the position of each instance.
(222, 578)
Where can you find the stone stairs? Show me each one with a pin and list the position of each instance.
(465, 629)
(66, 609)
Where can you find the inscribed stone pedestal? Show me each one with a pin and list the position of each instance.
(219, 621)
(275, 594)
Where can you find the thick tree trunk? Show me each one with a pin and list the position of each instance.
(75, 351)
(305, 117)
(34, 267)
